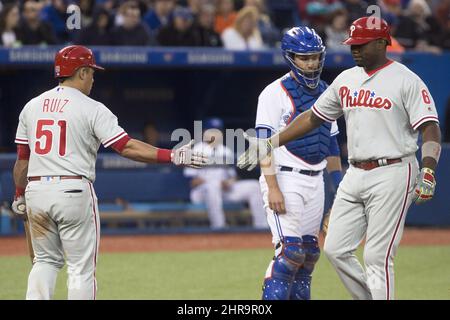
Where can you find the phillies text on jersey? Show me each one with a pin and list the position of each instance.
(382, 110)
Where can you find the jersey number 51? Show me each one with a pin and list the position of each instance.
(45, 129)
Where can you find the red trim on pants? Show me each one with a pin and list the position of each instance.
(386, 267)
(96, 237)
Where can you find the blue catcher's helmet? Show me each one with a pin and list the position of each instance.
(303, 41)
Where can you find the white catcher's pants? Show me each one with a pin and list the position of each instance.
(304, 200)
(212, 195)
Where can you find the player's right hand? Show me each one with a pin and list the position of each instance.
(256, 152)
(19, 207)
(276, 201)
(184, 156)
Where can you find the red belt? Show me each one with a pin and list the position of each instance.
(38, 178)
(372, 164)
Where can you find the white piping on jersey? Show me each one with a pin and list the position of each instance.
(320, 115)
(114, 139)
(423, 120)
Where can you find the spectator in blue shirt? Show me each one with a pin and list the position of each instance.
(160, 15)
(99, 32)
(55, 14)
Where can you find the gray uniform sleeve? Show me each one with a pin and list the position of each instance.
(328, 105)
(106, 127)
(419, 103)
(21, 134)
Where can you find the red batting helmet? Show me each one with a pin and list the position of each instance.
(70, 58)
(366, 29)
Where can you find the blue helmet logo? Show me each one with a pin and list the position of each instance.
(303, 41)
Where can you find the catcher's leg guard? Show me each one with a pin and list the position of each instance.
(301, 287)
(283, 268)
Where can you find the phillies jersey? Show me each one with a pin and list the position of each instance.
(275, 111)
(382, 109)
(64, 129)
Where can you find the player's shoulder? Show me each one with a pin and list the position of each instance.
(403, 71)
(348, 73)
(33, 101)
(97, 104)
(91, 105)
(88, 101)
(274, 87)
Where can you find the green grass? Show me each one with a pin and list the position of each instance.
(421, 273)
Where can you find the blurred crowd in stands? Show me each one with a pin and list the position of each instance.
(421, 25)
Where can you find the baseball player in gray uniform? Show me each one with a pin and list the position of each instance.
(385, 106)
(57, 139)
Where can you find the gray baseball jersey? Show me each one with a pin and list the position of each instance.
(64, 129)
(382, 113)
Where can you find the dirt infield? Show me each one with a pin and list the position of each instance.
(190, 242)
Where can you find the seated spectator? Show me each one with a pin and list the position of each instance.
(420, 12)
(160, 15)
(355, 9)
(337, 31)
(244, 34)
(315, 13)
(442, 13)
(108, 5)
(31, 30)
(194, 6)
(99, 32)
(203, 27)
(391, 11)
(132, 32)
(55, 15)
(87, 8)
(225, 15)
(417, 29)
(269, 33)
(445, 39)
(217, 183)
(179, 33)
(9, 21)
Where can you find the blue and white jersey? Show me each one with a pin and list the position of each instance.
(278, 104)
